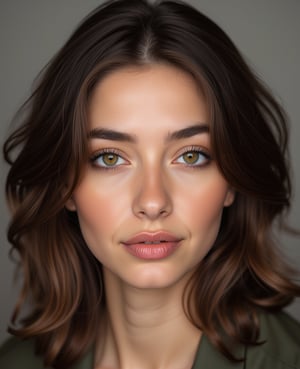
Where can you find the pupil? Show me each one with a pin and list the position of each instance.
(191, 157)
(110, 159)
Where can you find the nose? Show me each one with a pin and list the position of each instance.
(152, 199)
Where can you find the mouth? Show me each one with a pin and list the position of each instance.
(153, 243)
(149, 245)
(149, 238)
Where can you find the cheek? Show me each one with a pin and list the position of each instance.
(203, 205)
(99, 211)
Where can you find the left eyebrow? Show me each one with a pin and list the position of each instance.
(108, 134)
(188, 132)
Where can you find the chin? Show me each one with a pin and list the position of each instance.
(155, 277)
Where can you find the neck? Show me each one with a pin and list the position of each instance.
(146, 328)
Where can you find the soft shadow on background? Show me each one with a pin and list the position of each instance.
(31, 31)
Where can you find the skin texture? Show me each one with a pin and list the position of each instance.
(152, 185)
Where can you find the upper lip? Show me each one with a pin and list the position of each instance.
(153, 237)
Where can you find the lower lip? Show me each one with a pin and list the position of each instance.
(152, 252)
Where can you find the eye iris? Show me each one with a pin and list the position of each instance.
(110, 159)
(191, 157)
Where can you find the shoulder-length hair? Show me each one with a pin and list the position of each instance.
(243, 272)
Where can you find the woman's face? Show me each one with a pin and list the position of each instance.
(151, 198)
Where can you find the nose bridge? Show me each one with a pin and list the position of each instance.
(152, 198)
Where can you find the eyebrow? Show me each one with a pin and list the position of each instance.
(188, 132)
(108, 134)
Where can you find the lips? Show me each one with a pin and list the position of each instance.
(154, 238)
(147, 245)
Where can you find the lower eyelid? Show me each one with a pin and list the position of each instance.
(99, 154)
(205, 155)
(206, 158)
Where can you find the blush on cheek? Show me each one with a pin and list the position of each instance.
(205, 214)
(207, 205)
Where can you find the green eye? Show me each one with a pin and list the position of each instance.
(191, 157)
(194, 158)
(110, 159)
(107, 160)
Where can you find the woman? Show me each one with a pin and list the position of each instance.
(144, 183)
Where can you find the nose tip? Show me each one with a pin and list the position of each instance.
(152, 199)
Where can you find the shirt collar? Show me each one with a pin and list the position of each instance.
(207, 357)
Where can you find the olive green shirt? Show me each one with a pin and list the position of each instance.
(281, 350)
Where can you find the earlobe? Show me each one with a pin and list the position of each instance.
(70, 204)
(230, 196)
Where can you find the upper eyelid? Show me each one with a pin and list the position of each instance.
(200, 149)
(203, 152)
(95, 156)
(180, 152)
(99, 152)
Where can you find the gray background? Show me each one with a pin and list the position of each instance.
(31, 31)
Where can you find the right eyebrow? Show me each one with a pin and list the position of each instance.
(108, 134)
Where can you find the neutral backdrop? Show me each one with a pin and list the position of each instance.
(31, 31)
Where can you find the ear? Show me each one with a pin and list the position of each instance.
(230, 196)
(70, 204)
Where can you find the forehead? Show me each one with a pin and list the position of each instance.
(147, 94)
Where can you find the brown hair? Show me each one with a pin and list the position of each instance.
(241, 274)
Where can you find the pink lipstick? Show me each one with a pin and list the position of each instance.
(152, 246)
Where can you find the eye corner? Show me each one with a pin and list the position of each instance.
(97, 159)
(201, 159)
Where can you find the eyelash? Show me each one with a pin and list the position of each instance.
(192, 149)
(100, 153)
(198, 150)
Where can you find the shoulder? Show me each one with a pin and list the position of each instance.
(17, 354)
(281, 348)
(20, 354)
